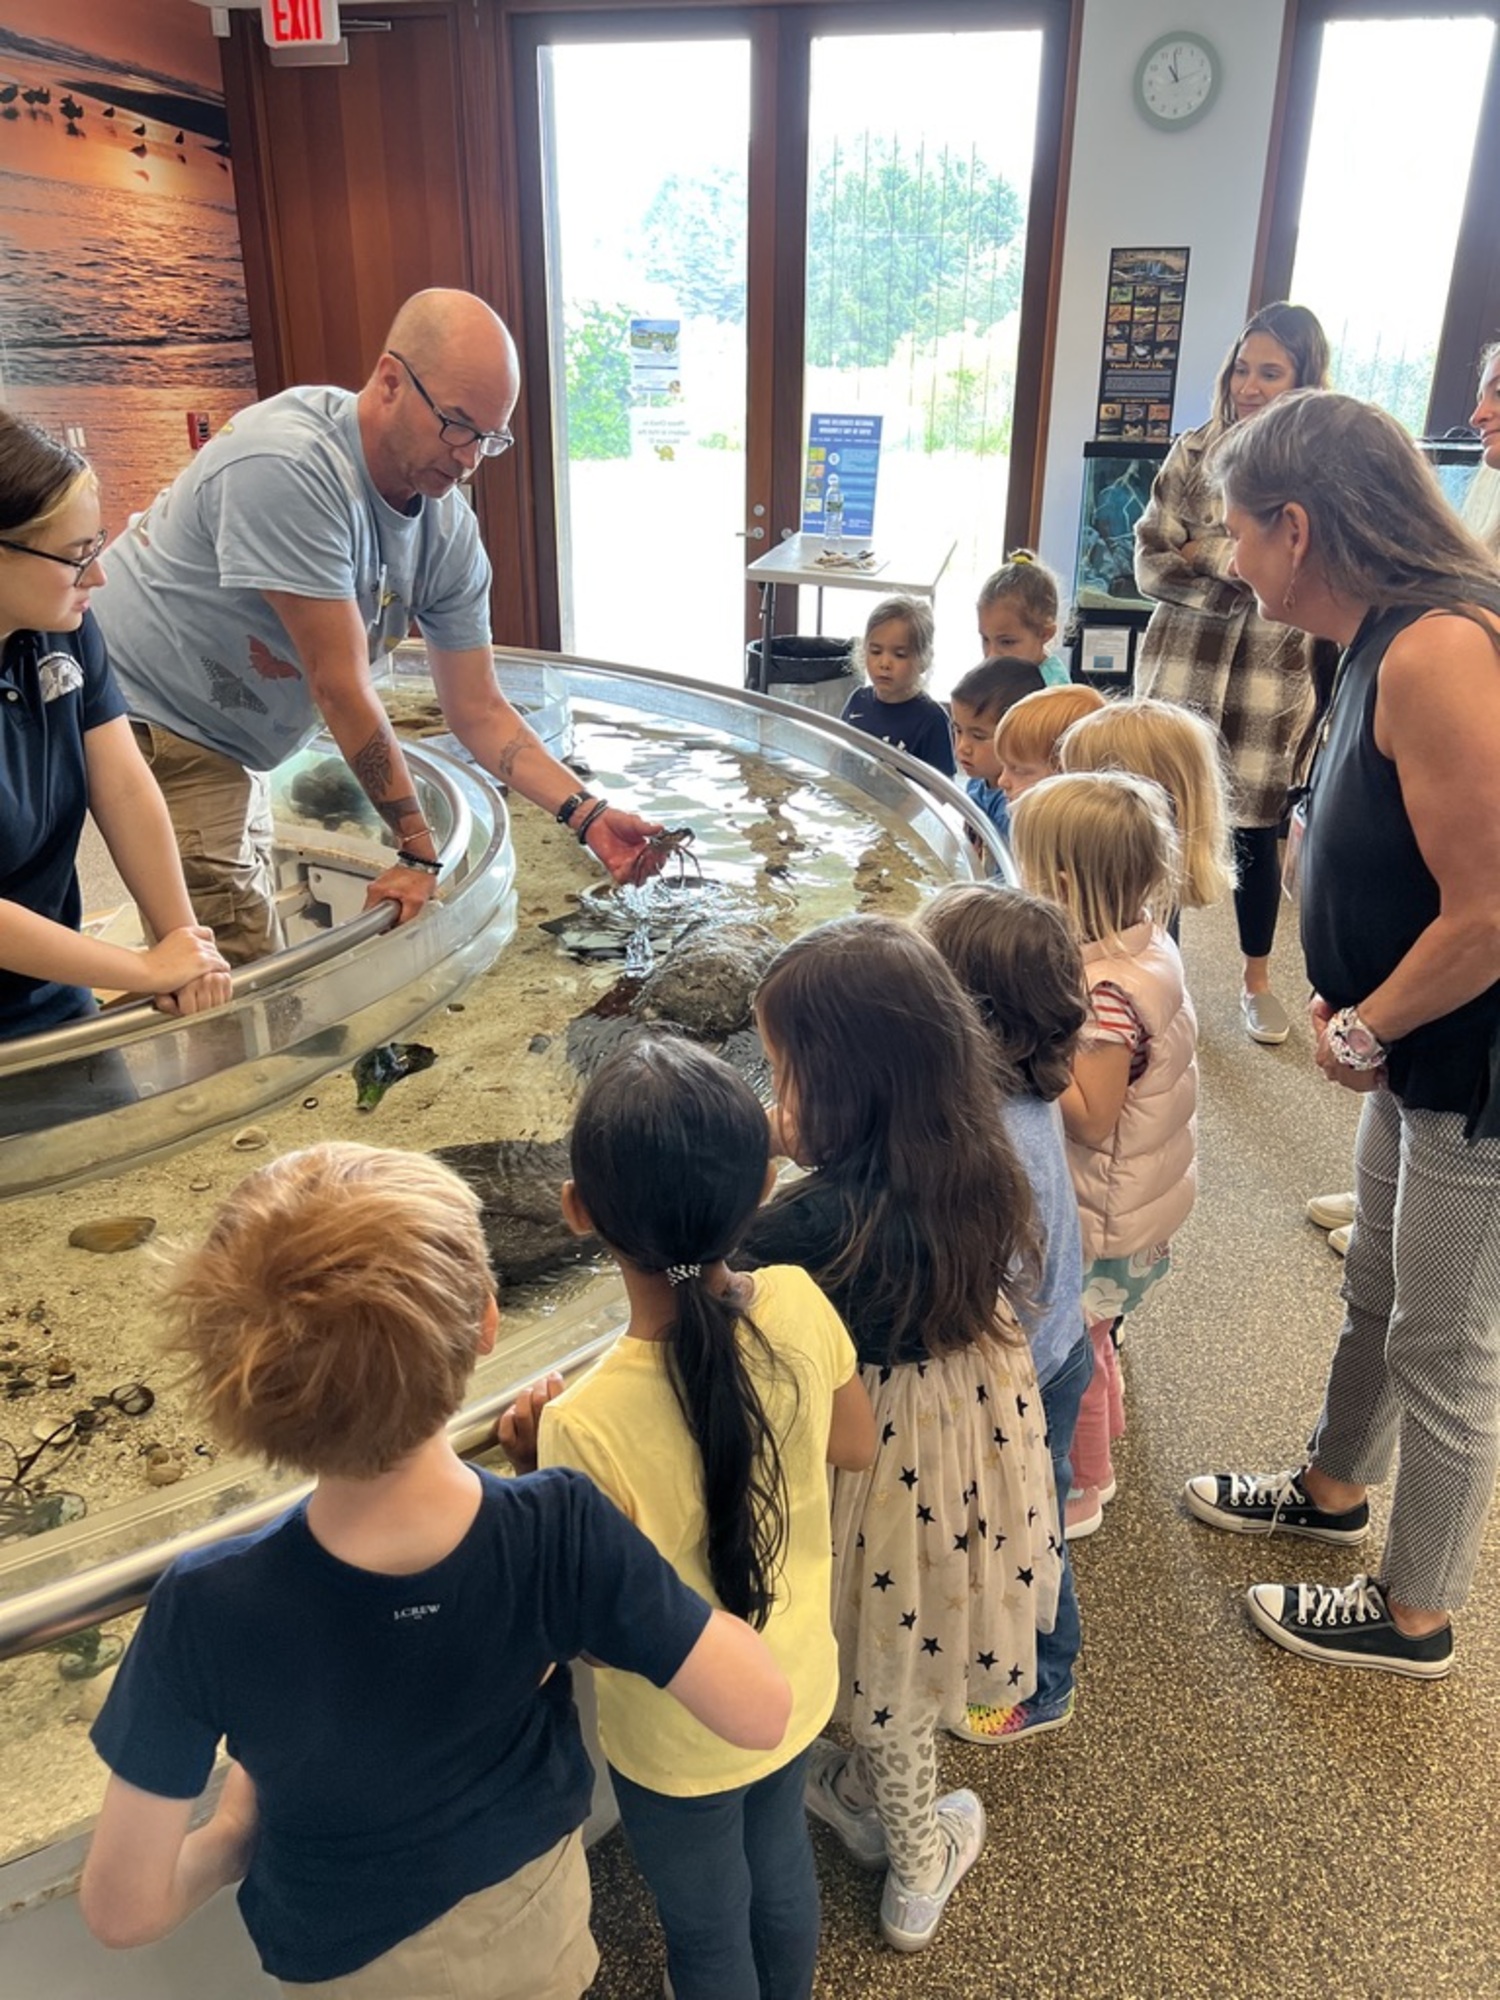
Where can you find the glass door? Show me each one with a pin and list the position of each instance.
(644, 145)
(746, 219)
(920, 152)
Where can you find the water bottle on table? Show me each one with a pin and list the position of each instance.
(833, 517)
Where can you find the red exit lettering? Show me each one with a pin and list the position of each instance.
(292, 23)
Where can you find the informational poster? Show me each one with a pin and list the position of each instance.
(850, 448)
(1142, 342)
(655, 356)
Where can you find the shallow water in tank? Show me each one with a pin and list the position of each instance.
(777, 841)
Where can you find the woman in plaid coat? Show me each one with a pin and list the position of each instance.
(1208, 647)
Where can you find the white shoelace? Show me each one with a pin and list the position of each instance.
(1357, 1603)
(1259, 1489)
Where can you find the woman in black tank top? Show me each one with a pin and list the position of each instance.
(1340, 528)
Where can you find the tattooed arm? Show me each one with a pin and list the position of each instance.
(331, 645)
(487, 726)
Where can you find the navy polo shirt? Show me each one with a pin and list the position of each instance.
(54, 688)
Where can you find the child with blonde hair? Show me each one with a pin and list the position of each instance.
(1018, 612)
(1182, 753)
(387, 1659)
(1027, 736)
(896, 656)
(1103, 846)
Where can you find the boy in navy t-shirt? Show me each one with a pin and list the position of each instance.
(387, 1662)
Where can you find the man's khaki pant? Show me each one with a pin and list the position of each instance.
(221, 814)
(527, 1938)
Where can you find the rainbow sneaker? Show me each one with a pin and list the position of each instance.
(982, 1724)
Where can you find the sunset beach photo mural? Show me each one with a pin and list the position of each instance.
(123, 325)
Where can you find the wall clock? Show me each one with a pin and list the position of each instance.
(1176, 80)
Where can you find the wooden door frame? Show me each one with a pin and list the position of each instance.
(1471, 314)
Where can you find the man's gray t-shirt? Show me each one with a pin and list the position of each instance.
(280, 499)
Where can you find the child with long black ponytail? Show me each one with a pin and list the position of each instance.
(711, 1424)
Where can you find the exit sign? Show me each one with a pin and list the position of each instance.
(300, 24)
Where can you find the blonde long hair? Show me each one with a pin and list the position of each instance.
(1102, 845)
(1182, 753)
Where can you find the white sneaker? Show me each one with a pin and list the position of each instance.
(1338, 1240)
(909, 1918)
(860, 1829)
(1331, 1211)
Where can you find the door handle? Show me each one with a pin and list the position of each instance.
(751, 534)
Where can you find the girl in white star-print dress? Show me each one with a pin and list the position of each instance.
(917, 1220)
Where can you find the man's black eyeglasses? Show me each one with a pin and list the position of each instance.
(79, 565)
(452, 429)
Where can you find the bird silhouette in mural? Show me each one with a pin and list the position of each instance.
(178, 140)
(139, 131)
(73, 131)
(70, 107)
(109, 111)
(140, 151)
(9, 92)
(35, 97)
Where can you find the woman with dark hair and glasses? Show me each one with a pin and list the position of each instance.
(65, 750)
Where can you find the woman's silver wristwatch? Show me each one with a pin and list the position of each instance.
(1354, 1045)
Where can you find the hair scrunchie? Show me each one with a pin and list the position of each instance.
(678, 1274)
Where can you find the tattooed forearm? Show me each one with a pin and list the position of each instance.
(505, 763)
(375, 768)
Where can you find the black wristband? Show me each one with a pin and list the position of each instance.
(600, 806)
(419, 861)
(570, 806)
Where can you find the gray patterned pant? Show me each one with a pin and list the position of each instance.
(899, 1776)
(1418, 1361)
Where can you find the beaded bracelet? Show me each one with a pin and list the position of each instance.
(600, 806)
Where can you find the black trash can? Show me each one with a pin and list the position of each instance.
(818, 673)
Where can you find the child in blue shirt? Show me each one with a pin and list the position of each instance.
(386, 1662)
(1017, 958)
(979, 701)
(897, 654)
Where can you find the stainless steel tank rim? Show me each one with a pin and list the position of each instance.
(138, 1019)
(75, 1598)
(36, 1617)
(941, 792)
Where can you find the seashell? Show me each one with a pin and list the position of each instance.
(199, 1186)
(164, 1472)
(538, 1045)
(455, 1006)
(34, 1316)
(60, 1372)
(309, 1104)
(58, 1434)
(117, 1232)
(251, 1139)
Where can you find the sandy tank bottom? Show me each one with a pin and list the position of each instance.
(501, 1072)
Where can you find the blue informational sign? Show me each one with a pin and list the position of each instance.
(850, 447)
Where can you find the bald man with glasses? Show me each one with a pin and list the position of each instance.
(247, 605)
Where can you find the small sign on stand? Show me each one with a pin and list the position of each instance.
(850, 448)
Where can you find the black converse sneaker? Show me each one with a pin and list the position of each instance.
(1267, 1503)
(1346, 1625)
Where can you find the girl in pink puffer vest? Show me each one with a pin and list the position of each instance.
(1102, 844)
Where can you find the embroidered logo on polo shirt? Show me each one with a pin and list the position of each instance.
(59, 674)
(417, 1611)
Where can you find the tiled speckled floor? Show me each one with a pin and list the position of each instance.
(1221, 1819)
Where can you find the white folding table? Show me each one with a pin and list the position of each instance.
(902, 572)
